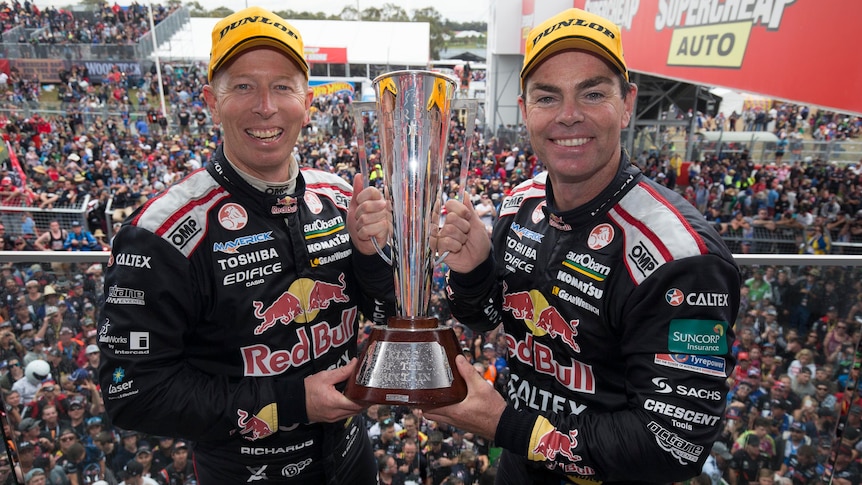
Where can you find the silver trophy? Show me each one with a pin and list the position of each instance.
(411, 360)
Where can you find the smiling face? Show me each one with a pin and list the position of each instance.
(574, 110)
(261, 99)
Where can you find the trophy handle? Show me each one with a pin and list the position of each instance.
(472, 107)
(359, 107)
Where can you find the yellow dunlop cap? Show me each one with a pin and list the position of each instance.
(254, 27)
(574, 29)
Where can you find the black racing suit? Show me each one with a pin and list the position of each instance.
(220, 299)
(617, 320)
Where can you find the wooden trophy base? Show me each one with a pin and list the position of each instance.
(409, 362)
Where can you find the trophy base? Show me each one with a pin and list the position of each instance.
(409, 362)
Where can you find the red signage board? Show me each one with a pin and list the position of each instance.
(326, 55)
(803, 51)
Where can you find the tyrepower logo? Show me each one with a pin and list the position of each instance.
(699, 364)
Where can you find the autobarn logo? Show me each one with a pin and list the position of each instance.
(323, 228)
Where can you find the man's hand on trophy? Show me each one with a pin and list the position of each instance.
(324, 403)
(368, 218)
(479, 412)
(464, 235)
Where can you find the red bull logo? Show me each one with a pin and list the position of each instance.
(552, 322)
(555, 443)
(520, 304)
(289, 305)
(532, 307)
(322, 293)
(253, 427)
(284, 205)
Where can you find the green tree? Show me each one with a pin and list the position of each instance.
(437, 32)
(394, 13)
(350, 14)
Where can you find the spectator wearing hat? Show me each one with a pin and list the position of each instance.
(792, 439)
(440, 456)
(21, 315)
(80, 239)
(162, 453)
(65, 439)
(71, 347)
(77, 415)
(489, 357)
(825, 423)
(134, 473)
(127, 449)
(846, 470)
(801, 384)
(48, 394)
(29, 429)
(51, 327)
(715, 466)
(36, 476)
(26, 458)
(747, 461)
(144, 456)
(180, 469)
(743, 365)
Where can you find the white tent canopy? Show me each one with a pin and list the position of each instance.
(393, 43)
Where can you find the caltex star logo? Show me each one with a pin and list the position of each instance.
(119, 375)
(674, 297)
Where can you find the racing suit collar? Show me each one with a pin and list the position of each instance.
(627, 173)
(276, 203)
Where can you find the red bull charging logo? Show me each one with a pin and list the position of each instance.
(555, 443)
(541, 318)
(300, 303)
(255, 426)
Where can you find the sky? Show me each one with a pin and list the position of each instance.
(455, 10)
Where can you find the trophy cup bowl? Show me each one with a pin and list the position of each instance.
(411, 360)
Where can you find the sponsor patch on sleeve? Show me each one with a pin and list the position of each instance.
(700, 337)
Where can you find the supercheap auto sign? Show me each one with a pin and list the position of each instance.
(803, 51)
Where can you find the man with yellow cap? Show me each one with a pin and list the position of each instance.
(232, 298)
(615, 296)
